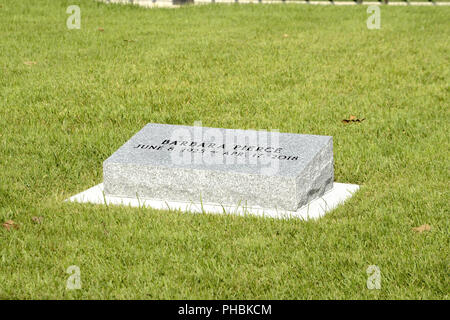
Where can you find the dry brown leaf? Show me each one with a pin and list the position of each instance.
(126, 40)
(353, 119)
(37, 219)
(10, 225)
(30, 63)
(422, 228)
(104, 228)
(101, 29)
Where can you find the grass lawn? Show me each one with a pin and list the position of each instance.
(70, 98)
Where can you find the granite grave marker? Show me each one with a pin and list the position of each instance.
(223, 166)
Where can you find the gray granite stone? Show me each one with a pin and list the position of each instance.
(227, 166)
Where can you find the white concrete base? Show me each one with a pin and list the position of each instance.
(315, 209)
